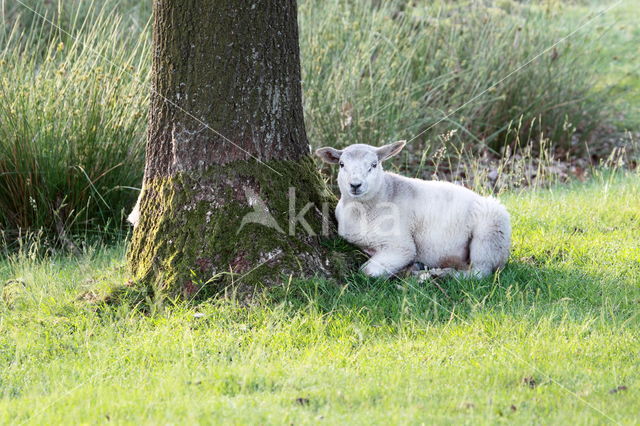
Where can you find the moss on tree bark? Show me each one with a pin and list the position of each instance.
(193, 242)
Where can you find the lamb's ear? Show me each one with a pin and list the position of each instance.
(329, 155)
(390, 150)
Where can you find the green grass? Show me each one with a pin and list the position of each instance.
(565, 312)
(621, 69)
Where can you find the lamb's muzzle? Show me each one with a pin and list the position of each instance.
(402, 220)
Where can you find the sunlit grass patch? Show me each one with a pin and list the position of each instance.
(553, 338)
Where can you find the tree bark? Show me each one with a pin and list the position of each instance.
(226, 139)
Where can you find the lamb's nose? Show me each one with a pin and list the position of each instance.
(355, 186)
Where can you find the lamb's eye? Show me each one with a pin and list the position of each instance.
(374, 165)
(341, 164)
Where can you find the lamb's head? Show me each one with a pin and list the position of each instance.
(361, 175)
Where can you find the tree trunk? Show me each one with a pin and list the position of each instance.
(226, 144)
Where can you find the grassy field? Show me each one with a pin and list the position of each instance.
(554, 338)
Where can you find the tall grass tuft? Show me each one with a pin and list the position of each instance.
(394, 71)
(72, 120)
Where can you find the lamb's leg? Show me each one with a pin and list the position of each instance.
(491, 241)
(388, 261)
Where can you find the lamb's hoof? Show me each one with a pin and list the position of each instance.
(374, 270)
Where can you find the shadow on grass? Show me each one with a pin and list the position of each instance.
(523, 289)
(520, 289)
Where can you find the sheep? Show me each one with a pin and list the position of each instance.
(400, 221)
(134, 216)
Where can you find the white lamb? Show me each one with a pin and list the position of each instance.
(399, 221)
